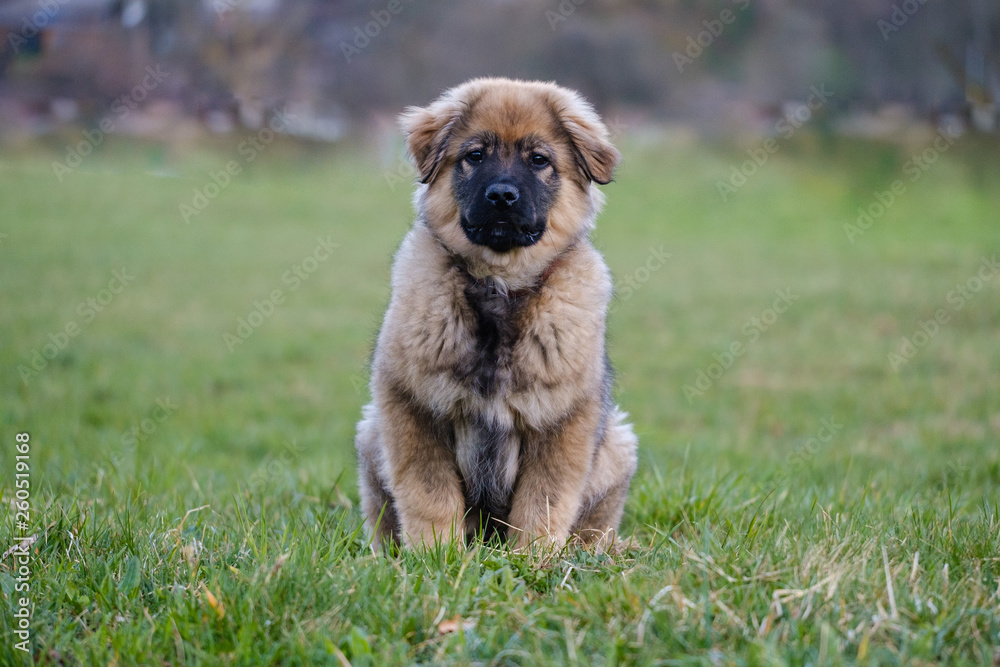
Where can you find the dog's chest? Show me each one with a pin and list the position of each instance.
(487, 455)
(495, 328)
(486, 441)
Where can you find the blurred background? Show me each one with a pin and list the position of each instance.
(238, 163)
(343, 69)
(199, 205)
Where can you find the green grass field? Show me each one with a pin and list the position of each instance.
(809, 500)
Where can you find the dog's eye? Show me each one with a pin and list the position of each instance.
(474, 156)
(539, 160)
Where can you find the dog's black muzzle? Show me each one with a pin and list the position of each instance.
(502, 219)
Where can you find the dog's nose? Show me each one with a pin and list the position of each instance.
(502, 194)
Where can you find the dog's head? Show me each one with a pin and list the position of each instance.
(508, 168)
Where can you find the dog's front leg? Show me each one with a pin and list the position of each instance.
(551, 478)
(424, 476)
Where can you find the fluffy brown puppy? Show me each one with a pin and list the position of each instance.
(491, 388)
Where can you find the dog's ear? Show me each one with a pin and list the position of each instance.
(428, 130)
(595, 155)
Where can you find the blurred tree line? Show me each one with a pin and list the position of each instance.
(341, 64)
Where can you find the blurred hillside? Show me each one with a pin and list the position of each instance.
(174, 68)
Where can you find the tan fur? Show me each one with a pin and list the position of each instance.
(562, 450)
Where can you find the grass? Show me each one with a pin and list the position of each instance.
(196, 505)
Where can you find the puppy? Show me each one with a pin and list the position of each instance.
(492, 410)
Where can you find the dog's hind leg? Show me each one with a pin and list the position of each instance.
(607, 487)
(377, 505)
